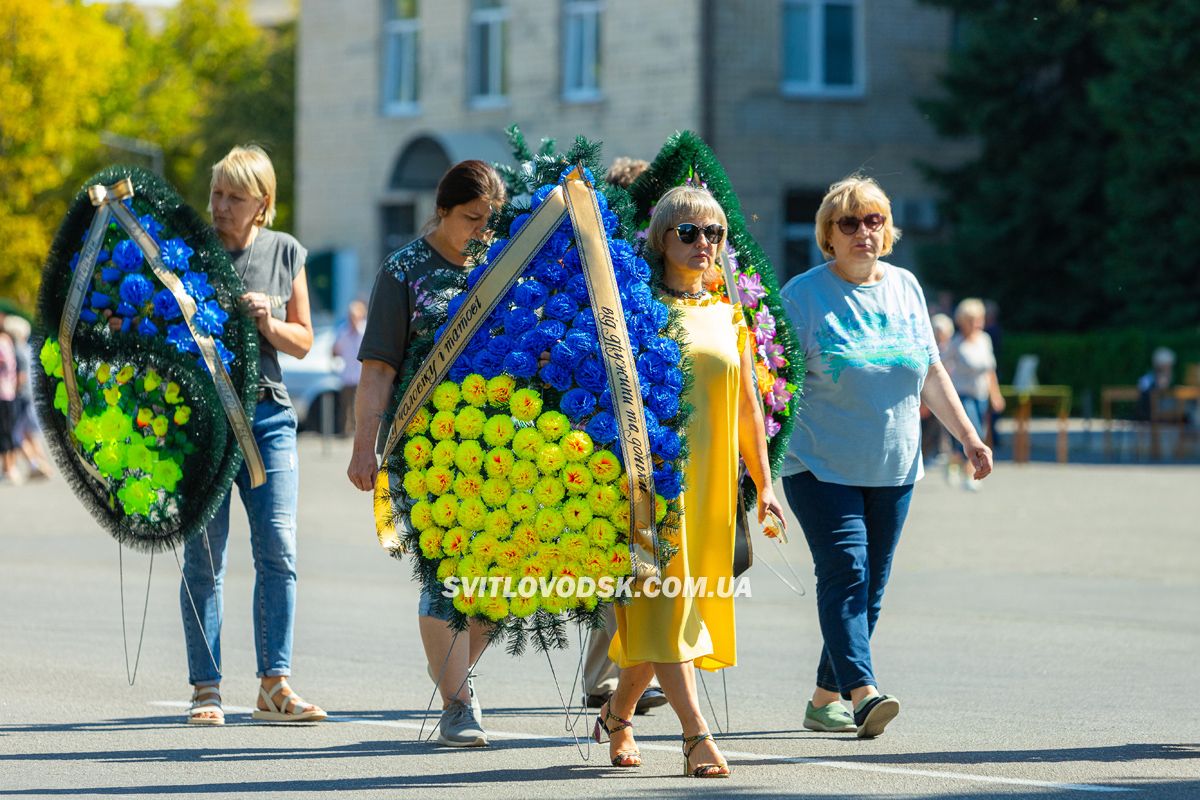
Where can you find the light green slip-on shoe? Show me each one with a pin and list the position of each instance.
(833, 718)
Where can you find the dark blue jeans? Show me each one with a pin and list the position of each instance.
(852, 532)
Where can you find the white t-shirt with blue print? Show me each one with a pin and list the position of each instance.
(868, 349)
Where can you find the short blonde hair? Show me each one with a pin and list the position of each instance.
(681, 204)
(248, 169)
(855, 195)
(943, 326)
(969, 308)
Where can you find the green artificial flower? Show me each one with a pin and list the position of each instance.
(51, 358)
(110, 459)
(446, 396)
(137, 497)
(60, 397)
(152, 380)
(115, 425)
(87, 432)
(182, 415)
(140, 457)
(165, 473)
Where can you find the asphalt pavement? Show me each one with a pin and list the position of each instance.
(1041, 634)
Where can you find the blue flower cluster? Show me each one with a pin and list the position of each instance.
(544, 327)
(123, 289)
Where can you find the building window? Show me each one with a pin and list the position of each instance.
(823, 48)
(488, 52)
(581, 49)
(401, 37)
(800, 250)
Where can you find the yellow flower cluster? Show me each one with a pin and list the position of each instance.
(500, 488)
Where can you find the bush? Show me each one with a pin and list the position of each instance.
(1088, 362)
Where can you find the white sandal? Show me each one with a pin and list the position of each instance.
(287, 710)
(206, 699)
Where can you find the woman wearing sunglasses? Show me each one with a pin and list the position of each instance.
(671, 636)
(855, 452)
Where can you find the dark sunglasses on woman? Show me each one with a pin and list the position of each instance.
(849, 225)
(688, 231)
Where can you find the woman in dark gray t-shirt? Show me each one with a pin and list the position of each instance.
(412, 287)
(271, 265)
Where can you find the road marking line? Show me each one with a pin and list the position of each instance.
(730, 754)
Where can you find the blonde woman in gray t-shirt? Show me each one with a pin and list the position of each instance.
(971, 363)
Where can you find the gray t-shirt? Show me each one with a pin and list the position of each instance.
(270, 265)
(868, 349)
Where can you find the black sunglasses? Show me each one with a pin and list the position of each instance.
(688, 231)
(849, 225)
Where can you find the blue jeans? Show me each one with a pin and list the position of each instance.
(852, 532)
(271, 509)
(977, 412)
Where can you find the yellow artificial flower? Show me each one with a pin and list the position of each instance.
(152, 380)
(500, 389)
(446, 396)
(438, 480)
(551, 459)
(525, 404)
(419, 423)
(553, 424)
(182, 415)
(499, 430)
(160, 426)
(442, 425)
(103, 372)
(474, 389)
(468, 485)
(443, 452)
(577, 478)
(171, 394)
(126, 374)
(499, 462)
(469, 423)
(604, 466)
(524, 475)
(576, 513)
(577, 445)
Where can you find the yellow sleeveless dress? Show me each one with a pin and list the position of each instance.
(701, 629)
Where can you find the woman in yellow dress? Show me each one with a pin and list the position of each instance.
(671, 636)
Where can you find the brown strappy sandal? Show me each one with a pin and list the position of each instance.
(623, 758)
(718, 770)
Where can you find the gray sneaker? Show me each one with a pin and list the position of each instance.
(458, 727)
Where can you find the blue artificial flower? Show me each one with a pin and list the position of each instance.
(666, 348)
(673, 379)
(577, 404)
(601, 200)
(652, 423)
(530, 294)
(556, 376)
(589, 373)
(540, 196)
(125, 310)
(667, 482)
(196, 284)
(556, 246)
(479, 341)
(611, 222)
(604, 402)
(651, 367)
(461, 368)
(585, 322)
(564, 355)
(622, 255)
(659, 313)
(487, 364)
(502, 345)
(136, 290)
(181, 337)
(550, 272)
(572, 263)
(176, 254)
(103, 256)
(152, 227)
(439, 330)
(520, 364)
(127, 256)
(147, 328)
(210, 318)
(100, 300)
(519, 320)
(111, 275)
(518, 223)
(475, 275)
(224, 353)
(640, 269)
(493, 251)
(643, 326)
(663, 402)
(577, 289)
(454, 305)
(638, 298)
(602, 427)
(667, 444)
(549, 331)
(87, 315)
(75, 262)
(561, 306)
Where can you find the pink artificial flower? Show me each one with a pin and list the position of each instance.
(777, 399)
(763, 320)
(751, 289)
(773, 426)
(771, 354)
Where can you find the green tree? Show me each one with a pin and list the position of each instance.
(1150, 102)
(1029, 213)
(55, 57)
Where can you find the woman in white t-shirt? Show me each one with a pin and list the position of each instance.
(971, 363)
